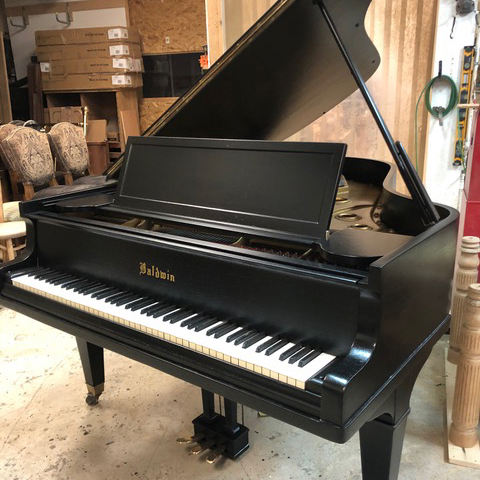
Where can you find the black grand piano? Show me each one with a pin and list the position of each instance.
(283, 276)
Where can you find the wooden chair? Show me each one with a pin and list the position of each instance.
(70, 149)
(28, 154)
(10, 230)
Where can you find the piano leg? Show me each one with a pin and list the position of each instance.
(381, 439)
(93, 369)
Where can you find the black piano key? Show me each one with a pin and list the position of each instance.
(48, 275)
(277, 346)
(61, 281)
(56, 277)
(88, 284)
(118, 296)
(97, 289)
(150, 308)
(198, 321)
(178, 313)
(247, 336)
(177, 316)
(82, 290)
(206, 323)
(105, 293)
(291, 351)
(113, 295)
(237, 334)
(42, 273)
(252, 341)
(162, 311)
(217, 329)
(77, 283)
(37, 271)
(266, 344)
(227, 329)
(125, 299)
(306, 360)
(299, 355)
(191, 319)
(69, 282)
(143, 302)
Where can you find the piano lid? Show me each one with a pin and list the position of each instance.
(279, 189)
(281, 75)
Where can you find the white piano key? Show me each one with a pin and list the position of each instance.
(260, 363)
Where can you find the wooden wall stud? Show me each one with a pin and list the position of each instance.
(467, 273)
(466, 398)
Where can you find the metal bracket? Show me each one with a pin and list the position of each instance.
(25, 21)
(68, 20)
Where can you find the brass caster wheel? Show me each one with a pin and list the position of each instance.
(92, 399)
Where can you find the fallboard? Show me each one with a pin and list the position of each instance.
(302, 306)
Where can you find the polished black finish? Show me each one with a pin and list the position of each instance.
(92, 362)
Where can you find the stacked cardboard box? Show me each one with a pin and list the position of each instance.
(103, 58)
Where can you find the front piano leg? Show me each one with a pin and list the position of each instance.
(93, 369)
(381, 439)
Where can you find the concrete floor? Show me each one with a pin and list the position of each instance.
(48, 432)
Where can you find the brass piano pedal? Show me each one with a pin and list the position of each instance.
(192, 439)
(261, 415)
(201, 447)
(215, 454)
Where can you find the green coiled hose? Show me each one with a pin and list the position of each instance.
(435, 111)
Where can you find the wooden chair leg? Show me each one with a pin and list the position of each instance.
(68, 178)
(466, 397)
(28, 191)
(10, 251)
(14, 181)
(53, 182)
(467, 273)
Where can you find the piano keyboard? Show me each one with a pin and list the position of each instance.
(268, 356)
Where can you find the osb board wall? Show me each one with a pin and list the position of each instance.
(403, 31)
(183, 22)
(152, 108)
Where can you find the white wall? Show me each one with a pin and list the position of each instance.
(442, 179)
(23, 41)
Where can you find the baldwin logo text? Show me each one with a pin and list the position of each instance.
(153, 271)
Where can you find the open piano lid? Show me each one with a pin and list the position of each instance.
(281, 75)
(280, 189)
(284, 73)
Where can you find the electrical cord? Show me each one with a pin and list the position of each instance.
(437, 112)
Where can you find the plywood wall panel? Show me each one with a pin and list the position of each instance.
(183, 22)
(151, 108)
(403, 32)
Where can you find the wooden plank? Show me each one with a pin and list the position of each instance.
(5, 107)
(126, 100)
(215, 31)
(467, 457)
(129, 124)
(61, 7)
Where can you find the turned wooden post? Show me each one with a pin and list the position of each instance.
(467, 273)
(466, 398)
